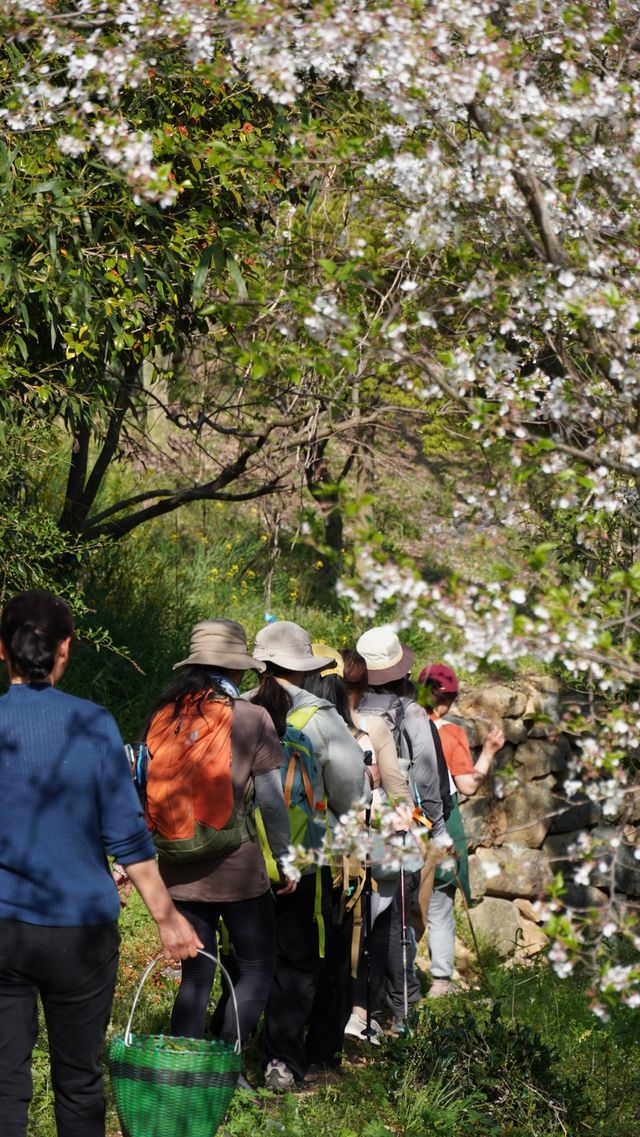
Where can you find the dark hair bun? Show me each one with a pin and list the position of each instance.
(32, 627)
(32, 653)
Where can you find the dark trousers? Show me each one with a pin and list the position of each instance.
(371, 974)
(332, 1004)
(338, 991)
(400, 959)
(74, 972)
(251, 927)
(298, 970)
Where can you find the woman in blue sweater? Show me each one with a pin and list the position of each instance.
(66, 802)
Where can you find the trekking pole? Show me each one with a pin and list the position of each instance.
(366, 949)
(404, 939)
(467, 909)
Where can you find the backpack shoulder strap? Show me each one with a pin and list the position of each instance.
(395, 717)
(295, 761)
(443, 771)
(300, 717)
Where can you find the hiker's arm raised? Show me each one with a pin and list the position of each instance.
(393, 782)
(177, 936)
(469, 782)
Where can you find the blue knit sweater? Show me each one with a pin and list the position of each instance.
(66, 800)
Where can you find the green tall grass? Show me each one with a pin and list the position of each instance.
(531, 1061)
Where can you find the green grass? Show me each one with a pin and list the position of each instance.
(530, 1061)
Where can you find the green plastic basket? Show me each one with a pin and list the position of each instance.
(173, 1087)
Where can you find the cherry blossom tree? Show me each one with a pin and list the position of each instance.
(473, 167)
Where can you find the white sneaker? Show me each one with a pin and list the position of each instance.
(278, 1077)
(357, 1028)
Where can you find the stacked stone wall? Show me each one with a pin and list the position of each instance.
(522, 826)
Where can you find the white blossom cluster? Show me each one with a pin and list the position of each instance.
(522, 173)
(326, 320)
(86, 57)
(561, 963)
(392, 842)
(384, 583)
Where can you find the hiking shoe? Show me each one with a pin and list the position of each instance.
(278, 1077)
(318, 1076)
(357, 1028)
(441, 987)
(398, 1025)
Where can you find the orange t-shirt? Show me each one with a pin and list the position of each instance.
(455, 745)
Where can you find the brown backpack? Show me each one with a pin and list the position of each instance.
(189, 792)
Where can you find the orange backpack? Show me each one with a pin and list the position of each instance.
(189, 793)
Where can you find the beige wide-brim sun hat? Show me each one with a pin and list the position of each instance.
(386, 658)
(220, 643)
(287, 645)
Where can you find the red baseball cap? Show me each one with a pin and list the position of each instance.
(442, 677)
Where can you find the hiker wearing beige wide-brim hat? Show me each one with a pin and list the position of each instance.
(289, 646)
(220, 643)
(287, 653)
(387, 659)
(290, 1035)
(422, 762)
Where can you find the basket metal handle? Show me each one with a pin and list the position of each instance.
(128, 1034)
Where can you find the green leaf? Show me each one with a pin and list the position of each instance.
(46, 187)
(139, 271)
(541, 554)
(200, 275)
(218, 256)
(236, 276)
(24, 351)
(313, 193)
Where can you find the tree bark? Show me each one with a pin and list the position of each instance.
(82, 490)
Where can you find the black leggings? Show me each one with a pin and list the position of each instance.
(252, 930)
